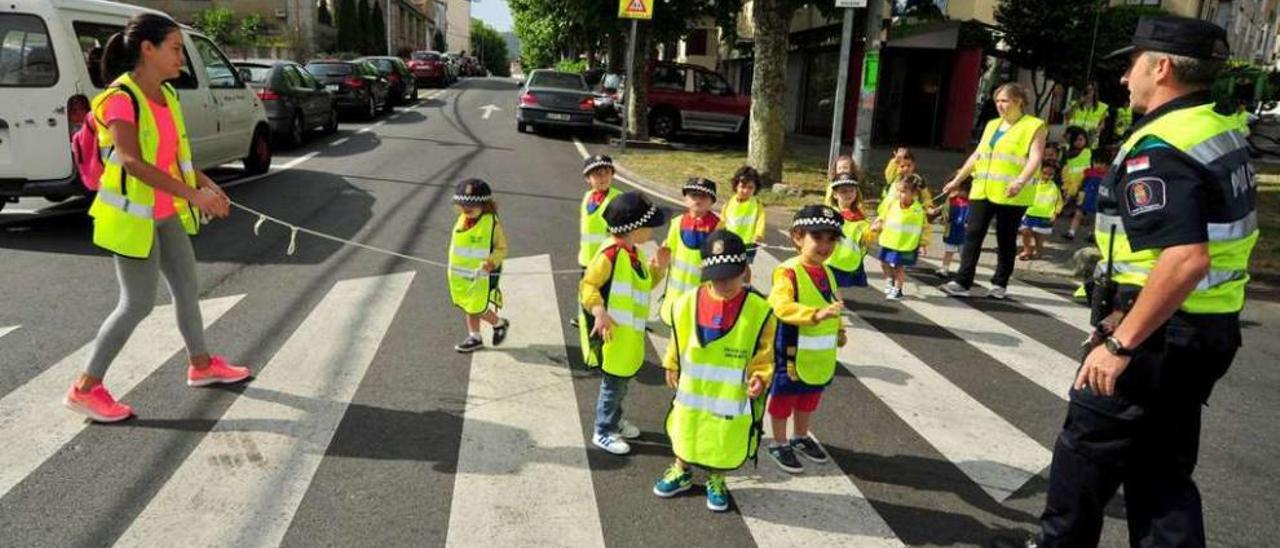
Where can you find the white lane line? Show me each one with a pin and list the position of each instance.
(339, 142)
(274, 169)
(6, 330)
(1044, 366)
(821, 507)
(522, 477)
(371, 127)
(990, 451)
(242, 485)
(33, 413)
(582, 151)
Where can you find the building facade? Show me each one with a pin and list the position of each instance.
(458, 32)
(1251, 27)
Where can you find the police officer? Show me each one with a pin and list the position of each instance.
(1176, 225)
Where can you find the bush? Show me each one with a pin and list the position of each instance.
(577, 66)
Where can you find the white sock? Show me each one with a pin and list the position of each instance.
(474, 334)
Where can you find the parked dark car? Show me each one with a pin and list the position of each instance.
(471, 66)
(429, 68)
(357, 87)
(295, 101)
(553, 98)
(403, 87)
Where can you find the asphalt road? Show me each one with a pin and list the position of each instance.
(364, 428)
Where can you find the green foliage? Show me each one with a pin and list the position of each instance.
(1051, 36)
(323, 15)
(490, 47)
(365, 17)
(378, 38)
(348, 26)
(219, 24)
(572, 65)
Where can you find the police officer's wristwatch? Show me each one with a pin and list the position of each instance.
(1117, 348)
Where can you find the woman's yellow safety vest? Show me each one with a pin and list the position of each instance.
(1046, 201)
(712, 423)
(592, 228)
(627, 303)
(123, 210)
(1073, 171)
(471, 288)
(1090, 120)
(685, 273)
(1216, 143)
(815, 345)
(1124, 120)
(849, 252)
(902, 227)
(741, 217)
(999, 166)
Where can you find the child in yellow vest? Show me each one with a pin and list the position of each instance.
(909, 178)
(615, 290)
(894, 166)
(1037, 222)
(805, 300)
(901, 226)
(476, 251)
(719, 362)
(598, 172)
(743, 214)
(1077, 158)
(682, 250)
(846, 260)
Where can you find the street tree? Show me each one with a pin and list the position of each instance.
(378, 20)
(1050, 38)
(767, 138)
(348, 26)
(219, 24)
(322, 14)
(490, 47)
(365, 18)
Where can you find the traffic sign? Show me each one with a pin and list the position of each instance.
(635, 9)
(851, 3)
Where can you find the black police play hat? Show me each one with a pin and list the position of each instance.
(844, 179)
(599, 160)
(1183, 36)
(818, 218)
(472, 191)
(724, 256)
(700, 184)
(631, 211)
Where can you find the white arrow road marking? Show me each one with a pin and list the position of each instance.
(6, 330)
(488, 110)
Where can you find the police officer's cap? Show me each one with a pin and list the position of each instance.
(631, 211)
(724, 256)
(597, 161)
(1183, 36)
(700, 184)
(818, 218)
(472, 192)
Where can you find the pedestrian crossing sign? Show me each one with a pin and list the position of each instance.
(635, 9)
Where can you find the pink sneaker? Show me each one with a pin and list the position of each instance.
(97, 404)
(218, 372)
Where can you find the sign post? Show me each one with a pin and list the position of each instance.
(842, 81)
(870, 78)
(635, 10)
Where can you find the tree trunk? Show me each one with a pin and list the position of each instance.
(638, 104)
(618, 51)
(772, 19)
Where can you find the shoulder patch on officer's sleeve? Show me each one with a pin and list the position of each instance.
(1144, 195)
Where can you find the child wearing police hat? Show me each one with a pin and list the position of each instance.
(719, 362)
(477, 248)
(682, 250)
(805, 300)
(846, 261)
(614, 295)
(597, 171)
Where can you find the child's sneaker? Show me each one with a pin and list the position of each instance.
(785, 456)
(810, 448)
(500, 331)
(469, 344)
(97, 404)
(626, 430)
(218, 372)
(612, 444)
(717, 493)
(673, 482)
(894, 294)
(942, 273)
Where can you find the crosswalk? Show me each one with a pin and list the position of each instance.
(524, 472)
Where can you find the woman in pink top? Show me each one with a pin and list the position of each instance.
(150, 49)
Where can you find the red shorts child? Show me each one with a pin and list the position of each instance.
(782, 405)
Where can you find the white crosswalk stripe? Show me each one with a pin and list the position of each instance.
(1052, 304)
(522, 440)
(30, 412)
(7, 330)
(243, 483)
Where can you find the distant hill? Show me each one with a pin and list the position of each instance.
(513, 44)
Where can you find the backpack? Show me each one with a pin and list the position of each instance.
(88, 158)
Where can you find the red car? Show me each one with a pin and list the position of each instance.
(693, 98)
(428, 69)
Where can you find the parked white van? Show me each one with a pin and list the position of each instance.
(49, 57)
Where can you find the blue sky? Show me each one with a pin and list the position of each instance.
(492, 12)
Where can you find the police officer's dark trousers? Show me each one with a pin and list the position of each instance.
(1145, 437)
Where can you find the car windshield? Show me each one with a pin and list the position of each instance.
(329, 69)
(384, 65)
(254, 74)
(563, 80)
(426, 56)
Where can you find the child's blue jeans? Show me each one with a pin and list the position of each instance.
(613, 390)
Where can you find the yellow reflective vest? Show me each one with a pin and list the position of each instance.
(685, 273)
(1047, 199)
(628, 304)
(998, 166)
(743, 218)
(1089, 119)
(712, 423)
(815, 345)
(1215, 142)
(470, 288)
(902, 227)
(1124, 120)
(1073, 172)
(849, 251)
(123, 210)
(592, 229)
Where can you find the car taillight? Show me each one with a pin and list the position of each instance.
(588, 103)
(528, 99)
(393, 78)
(354, 82)
(268, 95)
(77, 110)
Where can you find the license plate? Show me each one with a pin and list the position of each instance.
(334, 87)
(556, 116)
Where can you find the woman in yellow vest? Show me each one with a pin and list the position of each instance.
(1088, 113)
(719, 362)
(148, 205)
(1006, 160)
(477, 247)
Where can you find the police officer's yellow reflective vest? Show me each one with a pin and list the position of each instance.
(815, 345)
(999, 166)
(1046, 202)
(1073, 171)
(849, 252)
(592, 228)
(1124, 120)
(469, 287)
(628, 304)
(740, 218)
(712, 423)
(1215, 142)
(1089, 120)
(902, 227)
(124, 209)
(684, 274)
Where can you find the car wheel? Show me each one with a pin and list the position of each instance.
(331, 126)
(297, 130)
(663, 124)
(387, 104)
(371, 109)
(259, 159)
(521, 127)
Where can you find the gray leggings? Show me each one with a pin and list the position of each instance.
(171, 255)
